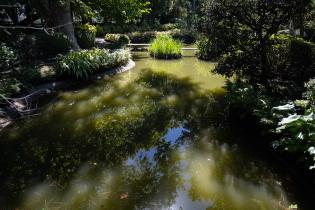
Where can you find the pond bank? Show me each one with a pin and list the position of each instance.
(44, 90)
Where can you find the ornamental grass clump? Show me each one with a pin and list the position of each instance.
(81, 64)
(165, 47)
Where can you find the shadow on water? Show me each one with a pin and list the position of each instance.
(155, 141)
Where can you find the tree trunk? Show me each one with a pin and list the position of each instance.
(63, 17)
(57, 14)
(264, 62)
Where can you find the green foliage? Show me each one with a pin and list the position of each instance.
(7, 57)
(30, 75)
(241, 26)
(207, 50)
(112, 37)
(120, 11)
(100, 31)
(166, 11)
(310, 91)
(292, 63)
(244, 102)
(86, 35)
(142, 37)
(81, 64)
(121, 40)
(9, 86)
(51, 45)
(237, 63)
(296, 131)
(185, 36)
(168, 27)
(82, 10)
(147, 36)
(288, 70)
(165, 47)
(294, 126)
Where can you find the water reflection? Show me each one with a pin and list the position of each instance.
(140, 140)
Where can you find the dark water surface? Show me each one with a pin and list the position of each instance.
(150, 138)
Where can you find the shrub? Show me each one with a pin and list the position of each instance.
(204, 49)
(86, 35)
(7, 57)
(30, 75)
(9, 86)
(123, 40)
(146, 37)
(287, 69)
(50, 45)
(184, 35)
(296, 126)
(112, 37)
(165, 47)
(168, 26)
(292, 63)
(310, 91)
(142, 37)
(118, 38)
(100, 32)
(208, 50)
(80, 64)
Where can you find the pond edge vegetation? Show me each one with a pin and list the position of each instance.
(48, 88)
(165, 47)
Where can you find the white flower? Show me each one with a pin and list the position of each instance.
(300, 136)
(309, 117)
(290, 119)
(311, 150)
(286, 107)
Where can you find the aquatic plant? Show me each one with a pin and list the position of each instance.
(165, 47)
(80, 64)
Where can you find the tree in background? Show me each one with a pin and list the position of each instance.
(60, 14)
(119, 11)
(247, 26)
(166, 11)
(57, 13)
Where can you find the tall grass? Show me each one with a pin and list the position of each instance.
(81, 64)
(165, 47)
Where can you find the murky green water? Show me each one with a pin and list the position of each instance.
(150, 138)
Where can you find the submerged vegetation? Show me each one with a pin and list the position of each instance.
(165, 47)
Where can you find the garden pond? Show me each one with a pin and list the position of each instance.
(150, 138)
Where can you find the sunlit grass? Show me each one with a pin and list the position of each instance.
(165, 47)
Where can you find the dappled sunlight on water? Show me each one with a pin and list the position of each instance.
(139, 140)
(171, 175)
